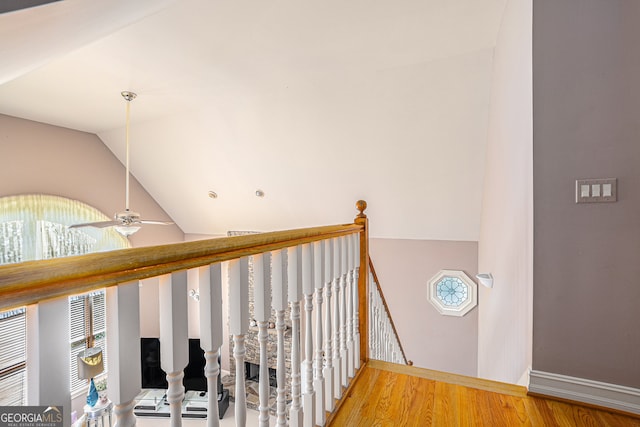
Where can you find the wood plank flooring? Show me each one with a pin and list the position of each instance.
(395, 395)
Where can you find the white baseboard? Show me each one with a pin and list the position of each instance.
(612, 396)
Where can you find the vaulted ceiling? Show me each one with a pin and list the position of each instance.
(317, 104)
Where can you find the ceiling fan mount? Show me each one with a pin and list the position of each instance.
(126, 222)
(128, 96)
(127, 217)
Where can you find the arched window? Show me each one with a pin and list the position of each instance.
(34, 227)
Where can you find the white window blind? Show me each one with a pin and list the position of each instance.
(13, 357)
(78, 336)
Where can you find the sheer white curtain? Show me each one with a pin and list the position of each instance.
(33, 227)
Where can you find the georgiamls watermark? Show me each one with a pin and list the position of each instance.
(30, 416)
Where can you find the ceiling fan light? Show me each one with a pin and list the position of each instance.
(127, 230)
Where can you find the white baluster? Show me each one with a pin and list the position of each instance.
(385, 348)
(337, 360)
(356, 304)
(383, 332)
(210, 289)
(328, 370)
(379, 331)
(238, 327)
(123, 414)
(48, 355)
(279, 288)
(371, 326)
(308, 395)
(123, 346)
(262, 312)
(344, 255)
(380, 323)
(386, 341)
(174, 341)
(294, 272)
(349, 291)
(374, 325)
(318, 382)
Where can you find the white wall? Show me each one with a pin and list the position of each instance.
(506, 232)
(417, 131)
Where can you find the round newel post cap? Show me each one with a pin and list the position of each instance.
(361, 205)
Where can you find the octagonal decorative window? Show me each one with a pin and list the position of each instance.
(453, 293)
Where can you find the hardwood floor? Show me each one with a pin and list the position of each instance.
(386, 395)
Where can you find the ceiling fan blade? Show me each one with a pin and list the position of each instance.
(99, 224)
(144, 221)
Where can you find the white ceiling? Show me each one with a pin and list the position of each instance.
(316, 103)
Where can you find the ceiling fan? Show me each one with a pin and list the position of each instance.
(127, 222)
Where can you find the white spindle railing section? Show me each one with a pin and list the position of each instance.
(123, 345)
(343, 311)
(174, 329)
(384, 343)
(290, 276)
(350, 308)
(329, 370)
(262, 312)
(211, 335)
(318, 374)
(295, 294)
(279, 288)
(318, 271)
(337, 360)
(48, 353)
(308, 395)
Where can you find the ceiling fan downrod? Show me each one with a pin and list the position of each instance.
(128, 96)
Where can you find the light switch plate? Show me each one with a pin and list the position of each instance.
(601, 190)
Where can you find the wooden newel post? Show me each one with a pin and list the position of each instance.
(363, 280)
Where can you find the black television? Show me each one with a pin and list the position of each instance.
(154, 377)
(194, 378)
(152, 374)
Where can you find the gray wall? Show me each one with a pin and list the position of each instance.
(43, 159)
(431, 340)
(586, 99)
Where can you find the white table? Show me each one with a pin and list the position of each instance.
(98, 413)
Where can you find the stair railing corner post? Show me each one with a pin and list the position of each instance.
(363, 278)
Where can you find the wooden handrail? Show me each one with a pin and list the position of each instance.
(386, 307)
(34, 281)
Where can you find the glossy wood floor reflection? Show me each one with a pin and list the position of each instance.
(385, 395)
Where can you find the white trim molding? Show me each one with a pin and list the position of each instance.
(611, 396)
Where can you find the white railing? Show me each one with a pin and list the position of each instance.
(281, 279)
(384, 343)
(289, 268)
